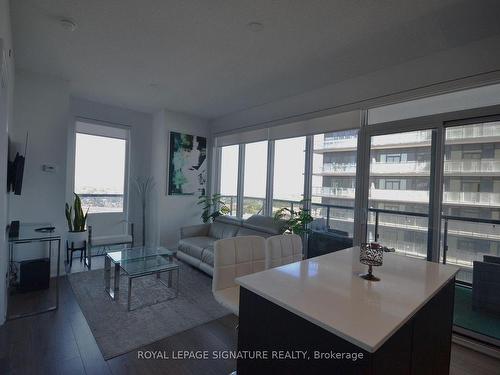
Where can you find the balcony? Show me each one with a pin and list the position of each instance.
(471, 198)
(394, 169)
(471, 166)
(337, 143)
(451, 167)
(325, 191)
(414, 138)
(337, 169)
(411, 196)
(486, 130)
(416, 196)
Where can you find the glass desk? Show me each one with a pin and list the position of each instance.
(28, 234)
(138, 262)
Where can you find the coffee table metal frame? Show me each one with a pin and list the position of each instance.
(114, 292)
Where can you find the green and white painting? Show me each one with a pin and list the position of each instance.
(187, 164)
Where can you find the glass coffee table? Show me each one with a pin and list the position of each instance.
(138, 262)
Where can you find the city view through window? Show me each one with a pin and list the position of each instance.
(100, 172)
(398, 188)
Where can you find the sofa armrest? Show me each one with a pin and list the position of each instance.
(195, 230)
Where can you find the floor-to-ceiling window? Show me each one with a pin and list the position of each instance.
(471, 197)
(229, 156)
(254, 180)
(289, 164)
(470, 227)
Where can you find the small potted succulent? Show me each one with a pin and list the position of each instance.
(76, 219)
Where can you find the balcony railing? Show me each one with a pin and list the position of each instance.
(416, 167)
(325, 191)
(413, 196)
(490, 129)
(466, 197)
(339, 168)
(381, 220)
(348, 142)
(471, 166)
(410, 167)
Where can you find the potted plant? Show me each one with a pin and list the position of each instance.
(295, 221)
(76, 219)
(212, 206)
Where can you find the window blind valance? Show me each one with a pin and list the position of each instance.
(325, 124)
(111, 131)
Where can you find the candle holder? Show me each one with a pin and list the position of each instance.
(370, 255)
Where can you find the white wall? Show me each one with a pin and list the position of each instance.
(140, 125)
(41, 108)
(6, 114)
(172, 211)
(472, 64)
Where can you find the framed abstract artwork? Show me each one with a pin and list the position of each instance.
(187, 165)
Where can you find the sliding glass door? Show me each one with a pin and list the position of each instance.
(399, 183)
(471, 197)
(399, 188)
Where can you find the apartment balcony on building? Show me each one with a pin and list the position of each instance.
(466, 167)
(412, 196)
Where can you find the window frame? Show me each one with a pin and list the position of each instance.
(436, 122)
(107, 130)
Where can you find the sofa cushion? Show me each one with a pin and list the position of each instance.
(208, 256)
(227, 219)
(252, 232)
(195, 246)
(265, 224)
(219, 230)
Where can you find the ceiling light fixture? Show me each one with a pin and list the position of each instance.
(255, 26)
(68, 24)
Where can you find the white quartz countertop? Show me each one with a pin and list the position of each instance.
(327, 291)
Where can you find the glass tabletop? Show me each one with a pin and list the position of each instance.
(28, 232)
(139, 252)
(146, 265)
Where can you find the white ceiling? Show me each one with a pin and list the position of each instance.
(199, 57)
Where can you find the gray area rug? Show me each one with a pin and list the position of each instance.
(118, 331)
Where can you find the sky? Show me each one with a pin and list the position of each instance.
(100, 164)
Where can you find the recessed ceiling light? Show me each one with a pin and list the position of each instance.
(68, 24)
(255, 26)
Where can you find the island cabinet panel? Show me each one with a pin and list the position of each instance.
(420, 346)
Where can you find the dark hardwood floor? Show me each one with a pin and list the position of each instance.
(61, 342)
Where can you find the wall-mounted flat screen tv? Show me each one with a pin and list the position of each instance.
(15, 172)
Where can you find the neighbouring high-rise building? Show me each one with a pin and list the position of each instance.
(399, 189)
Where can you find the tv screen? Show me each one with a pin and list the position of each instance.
(15, 171)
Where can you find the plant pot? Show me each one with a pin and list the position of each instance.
(77, 238)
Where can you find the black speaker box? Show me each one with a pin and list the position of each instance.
(34, 274)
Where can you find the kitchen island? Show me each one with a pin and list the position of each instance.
(318, 316)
